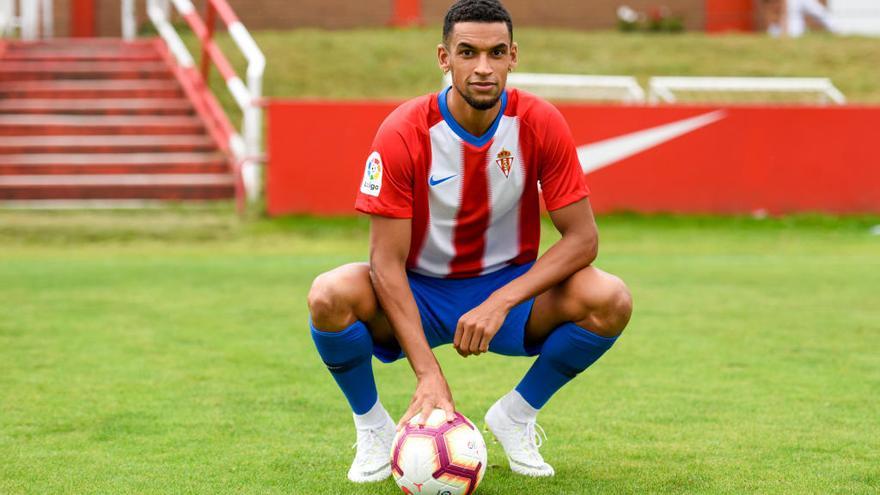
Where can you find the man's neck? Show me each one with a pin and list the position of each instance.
(476, 122)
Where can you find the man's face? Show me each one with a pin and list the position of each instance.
(479, 55)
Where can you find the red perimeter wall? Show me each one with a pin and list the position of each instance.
(736, 159)
(730, 15)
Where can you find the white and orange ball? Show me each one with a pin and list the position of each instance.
(439, 458)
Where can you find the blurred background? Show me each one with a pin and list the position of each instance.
(173, 175)
(848, 16)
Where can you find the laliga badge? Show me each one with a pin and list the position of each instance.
(372, 182)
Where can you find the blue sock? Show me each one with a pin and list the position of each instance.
(348, 355)
(569, 350)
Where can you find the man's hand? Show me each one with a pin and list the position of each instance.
(477, 327)
(432, 392)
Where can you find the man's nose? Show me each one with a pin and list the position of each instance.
(483, 65)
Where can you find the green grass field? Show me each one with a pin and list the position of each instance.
(167, 352)
(399, 64)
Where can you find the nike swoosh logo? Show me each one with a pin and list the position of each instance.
(600, 154)
(434, 182)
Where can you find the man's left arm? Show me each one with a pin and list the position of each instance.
(576, 249)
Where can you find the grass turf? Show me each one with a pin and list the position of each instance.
(167, 352)
(399, 64)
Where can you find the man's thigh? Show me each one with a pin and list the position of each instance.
(578, 298)
(441, 302)
(354, 292)
(355, 299)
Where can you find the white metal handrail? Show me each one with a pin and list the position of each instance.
(247, 96)
(576, 86)
(48, 18)
(129, 23)
(29, 19)
(8, 21)
(34, 19)
(662, 89)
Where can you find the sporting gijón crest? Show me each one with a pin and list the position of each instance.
(504, 159)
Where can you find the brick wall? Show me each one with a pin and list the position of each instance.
(578, 14)
(108, 13)
(338, 14)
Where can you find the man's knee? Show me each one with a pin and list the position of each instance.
(610, 314)
(619, 307)
(323, 300)
(334, 297)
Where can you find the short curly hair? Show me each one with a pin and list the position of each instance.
(476, 11)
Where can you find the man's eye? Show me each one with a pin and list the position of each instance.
(499, 53)
(467, 53)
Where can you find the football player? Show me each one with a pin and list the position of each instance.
(451, 187)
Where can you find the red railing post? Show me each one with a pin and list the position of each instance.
(729, 15)
(210, 21)
(82, 19)
(244, 149)
(407, 13)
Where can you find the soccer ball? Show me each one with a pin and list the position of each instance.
(439, 458)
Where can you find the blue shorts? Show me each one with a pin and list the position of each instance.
(442, 301)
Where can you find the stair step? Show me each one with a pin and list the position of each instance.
(102, 106)
(101, 122)
(119, 88)
(113, 163)
(82, 56)
(17, 125)
(75, 47)
(84, 204)
(130, 186)
(21, 71)
(72, 43)
(116, 180)
(80, 45)
(104, 144)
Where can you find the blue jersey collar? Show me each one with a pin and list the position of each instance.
(460, 131)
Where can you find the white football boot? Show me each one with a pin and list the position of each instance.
(372, 462)
(520, 442)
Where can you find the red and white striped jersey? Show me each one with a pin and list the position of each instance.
(473, 200)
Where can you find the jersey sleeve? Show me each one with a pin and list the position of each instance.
(387, 186)
(562, 178)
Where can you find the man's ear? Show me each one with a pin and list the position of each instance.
(443, 58)
(514, 55)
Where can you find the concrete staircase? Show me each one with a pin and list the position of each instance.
(101, 122)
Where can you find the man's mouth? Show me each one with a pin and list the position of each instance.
(483, 85)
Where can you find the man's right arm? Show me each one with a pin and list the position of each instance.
(389, 248)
